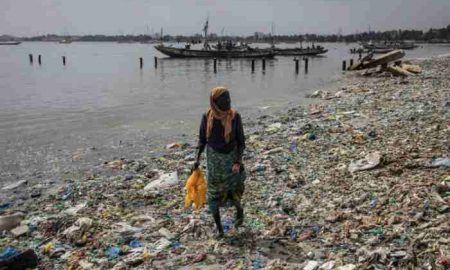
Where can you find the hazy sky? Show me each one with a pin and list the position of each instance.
(242, 17)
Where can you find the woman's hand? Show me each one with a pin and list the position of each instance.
(236, 168)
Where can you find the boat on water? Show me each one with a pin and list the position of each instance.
(204, 53)
(10, 42)
(308, 51)
(65, 41)
(208, 52)
(389, 45)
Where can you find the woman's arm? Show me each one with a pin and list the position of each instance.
(201, 139)
(240, 138)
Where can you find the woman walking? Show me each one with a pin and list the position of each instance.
(222, 134)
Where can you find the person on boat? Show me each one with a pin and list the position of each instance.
(187, 46)
(222, 134)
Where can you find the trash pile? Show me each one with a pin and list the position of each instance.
(383, 64)
(359, 181)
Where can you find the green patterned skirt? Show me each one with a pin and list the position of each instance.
(223, 184)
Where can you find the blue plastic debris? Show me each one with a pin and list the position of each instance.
(227, 224)
(8, 252)
(113, 252)
(135, 243)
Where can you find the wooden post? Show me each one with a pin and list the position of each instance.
(39, 59)
(156, 62)
(296, 65)
(141, 62)
(360, 55)
(306, 64)
(215, 65)
(264, 64)
(253, 65)
(30, 56)
(64, 60)
(351, 62)
(344, 65)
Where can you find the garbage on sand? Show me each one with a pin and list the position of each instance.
(303, 207)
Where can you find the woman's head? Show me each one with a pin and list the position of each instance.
(221, 98)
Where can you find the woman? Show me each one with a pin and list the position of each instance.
(222, 134)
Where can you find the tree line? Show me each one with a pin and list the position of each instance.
(431, 35)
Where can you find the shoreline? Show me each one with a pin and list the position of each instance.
(302, 204)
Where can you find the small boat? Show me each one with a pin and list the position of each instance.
(300, 51)
(10, 42)
(65, 41)
(189, 53)
(389, 45)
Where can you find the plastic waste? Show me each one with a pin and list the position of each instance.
(19, 260)
(227, 224)
(163, 182)
(195, 190)
(371, 161)
(441, 162)
(113, 252)
(135, 243)
(8, 252)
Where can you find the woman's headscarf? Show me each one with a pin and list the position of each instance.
(225, 117)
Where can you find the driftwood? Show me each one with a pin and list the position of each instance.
(389, 62)
(398, 71)
(359, 65)
(412, 68)
(383, 60)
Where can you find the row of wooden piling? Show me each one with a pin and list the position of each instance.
(155, 62)
(30, 58)
(264, 64)
(344, 64)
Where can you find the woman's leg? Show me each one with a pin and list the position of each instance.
(214, 209)
(239, 213)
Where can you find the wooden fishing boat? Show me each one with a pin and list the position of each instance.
(300, 51)
(189, 53)
(10, 42)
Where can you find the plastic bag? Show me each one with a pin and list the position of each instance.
(195, 190)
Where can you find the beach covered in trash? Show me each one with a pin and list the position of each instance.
(359, 180)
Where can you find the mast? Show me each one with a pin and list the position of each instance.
(205, 30)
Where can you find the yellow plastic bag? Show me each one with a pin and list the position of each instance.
(195, 190)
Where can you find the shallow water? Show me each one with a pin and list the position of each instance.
(101, 105)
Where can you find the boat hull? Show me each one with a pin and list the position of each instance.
(188, 53)
(10, 43)
(299, 52)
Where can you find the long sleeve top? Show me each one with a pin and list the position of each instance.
(217, 140)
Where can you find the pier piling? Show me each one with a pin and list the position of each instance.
(306, 64)
(253, 65)
(30, 56)
(351, 63)
(215, 65)
(296, 65)
(156, 61)
(344, 65)
(141, 62)
(39, 59)
(64, 60)
(264, 64)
